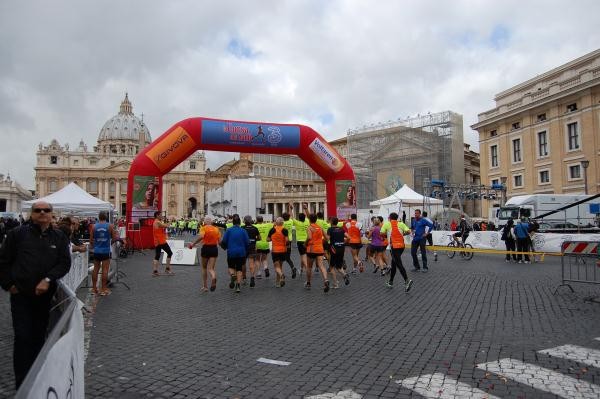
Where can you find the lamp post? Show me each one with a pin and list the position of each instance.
(584, 165)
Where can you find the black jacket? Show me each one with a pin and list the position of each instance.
(28, 256)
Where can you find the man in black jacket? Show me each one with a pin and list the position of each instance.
(32, 258)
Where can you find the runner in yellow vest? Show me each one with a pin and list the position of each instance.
(262, 246)
(301, 225)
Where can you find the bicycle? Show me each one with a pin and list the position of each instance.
(466, 255)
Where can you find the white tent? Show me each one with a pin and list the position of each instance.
(73, 199)
(406, 199)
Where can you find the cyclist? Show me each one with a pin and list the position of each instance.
(463, 232)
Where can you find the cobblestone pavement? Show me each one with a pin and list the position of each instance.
(479, 328)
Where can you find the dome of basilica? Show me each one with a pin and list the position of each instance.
(124, 126)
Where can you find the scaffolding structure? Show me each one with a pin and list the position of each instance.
(408, 151)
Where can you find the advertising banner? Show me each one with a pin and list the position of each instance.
(169, 151)
(145, 197)
(325, 155)
(251, 135)
(345, 198)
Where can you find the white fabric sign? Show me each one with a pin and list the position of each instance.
(78, 271)
(542, 242)
(62, 373)
(181, 256)
(176, 244)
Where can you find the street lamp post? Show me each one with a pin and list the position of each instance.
(584, 165)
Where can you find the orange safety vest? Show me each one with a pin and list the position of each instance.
(315, 243)
(354, 233)
(159, 234)
(396, 235)
(211, 235)
(278, 240)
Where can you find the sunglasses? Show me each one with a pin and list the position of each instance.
(40, 210)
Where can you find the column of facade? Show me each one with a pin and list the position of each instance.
(181, 201)
(106, 191)
(118, 196)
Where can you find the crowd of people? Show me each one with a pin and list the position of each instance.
(321, 243)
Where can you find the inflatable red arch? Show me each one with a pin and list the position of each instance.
(186, 137)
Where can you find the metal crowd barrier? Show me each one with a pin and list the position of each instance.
(580, 263)
(58, 368)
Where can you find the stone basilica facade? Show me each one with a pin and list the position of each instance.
(103, 171)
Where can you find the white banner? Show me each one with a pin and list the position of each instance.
(78, 271)
(61, 374)
(176, 244)
(181, 256)
(542, 242)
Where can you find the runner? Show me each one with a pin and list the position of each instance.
(324, 225)
(315, 251)
(235, 241)
(100, 240)
(253, 256)
(377, 246)
(278, 236)
(288, 225)
(337, 247)
(210, 236)
(354, 232)
(160, 244)
(301, 225)
(262, 246)
(384, 257)
(396, 230)
(369, 253)
(430, 236)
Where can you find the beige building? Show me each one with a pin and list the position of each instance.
(103, 171)
(543, 136)
(12, 195)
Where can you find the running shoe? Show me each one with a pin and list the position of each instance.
(346, 279)
(307, 285)
(213, 284)
(425, 269)
(335, 286)
(361, 266)
(408, 285)
(294, 272)
(389, 285)
(252, 283)
(232, 282)
(375, 268)
(282, 281)
(267, 273)
(326, 286)
(237, 288)
(435, 257)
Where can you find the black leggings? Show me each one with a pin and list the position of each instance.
(397, 263)
(165, 247)
(510, 246)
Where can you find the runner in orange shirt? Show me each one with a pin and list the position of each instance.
(160, 244)
(315, 251)
(278, 236)
(210, 236)
(354, 233)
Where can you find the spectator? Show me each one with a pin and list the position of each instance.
(32, 258)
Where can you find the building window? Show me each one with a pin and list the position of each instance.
(76, 162)
(572, 107)
(192, 188)
(92, 162)
(111, 187)
(541, 117)
(542, 144)
(92, 186)
(516, 145)
(52, 185)
(53, 159)
(544, 176)
(112, 163)
(494, 155)
(518, 180)
(575, 172)
(493, 133)
(516, 125)
(495, 182)
(123, 187)
(572, 136)
(192, 164)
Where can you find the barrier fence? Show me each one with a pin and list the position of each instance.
(580, 263)
(58, 371)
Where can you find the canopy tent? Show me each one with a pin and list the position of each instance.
(406, 199)
(73, 199)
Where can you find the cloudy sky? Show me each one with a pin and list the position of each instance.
(334, 65)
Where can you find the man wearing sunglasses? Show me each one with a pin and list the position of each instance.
(33, 256)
